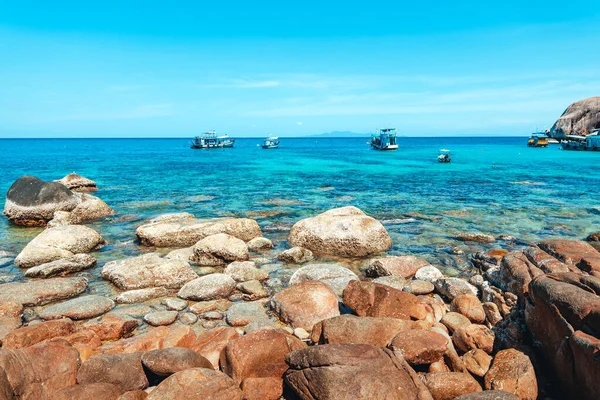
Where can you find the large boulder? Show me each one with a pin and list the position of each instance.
(197, 383)
(210, 343)
(148, 270)
(61, 267)
(32, 202)
(84, 307)
(40, 292)
(419, 346)
(352, 371)
(59, 242)
(578, 119)
(90, 391)
(184, 230)
(344, 232)
(305, 304)
(78, 183)
(449, 385)
(575, 253)
(376, 300)
(513, 372)
(219, 249)
(39, 370)
(36, 333)
(334, 275)
(258, 355)
(165, 362)
(89, 208)
(123, 370)
(347, 329)
(562, 313)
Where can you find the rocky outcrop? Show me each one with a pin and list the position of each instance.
(78, 183)
(185, 230)
(335, 276)
(148, 270)
(59, 242)
(305, 304)
(40, 292)
(219, 249)
(33, 202)
(344, 232)
(352, 371)
(578, 119)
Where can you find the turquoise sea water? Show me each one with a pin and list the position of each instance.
(422, 203)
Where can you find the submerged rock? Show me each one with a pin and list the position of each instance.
(185, 230)
(59, 242)
(148, 270)
(296, 255)
(78, 183)
(344, 232)
(35, 293)
(476, 237)
(62, 267)
(90, 208)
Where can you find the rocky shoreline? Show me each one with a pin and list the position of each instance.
(200, 316)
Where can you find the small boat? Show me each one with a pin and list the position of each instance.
(538, 139)
(272, 142)
(444, 156)
(590, 142)
(210, 140)
(384, 139)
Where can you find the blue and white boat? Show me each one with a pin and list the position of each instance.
(384, 139)
(272, 142)
(210, 140)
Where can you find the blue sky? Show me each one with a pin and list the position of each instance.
(173, 69)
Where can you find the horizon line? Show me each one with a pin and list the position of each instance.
(317, 136)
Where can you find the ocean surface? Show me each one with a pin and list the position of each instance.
(495, 186)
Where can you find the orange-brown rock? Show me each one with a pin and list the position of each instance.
(352, 371)
(179, 336)
(544, 261)
(516, 272)
(474, 337)
(35, 371)
(469, 306)
(512, 372)
(30, 335)
(123, 370)
(492, 313)
(439, 366)
(376, 300)
(197, 383)
(305, 304)
(10, 317)
(90, 391)
(488, 395)
(453, 321)
(258, 355)
(166, 362)
(419, 346)
(346, 329)
(262, 388)
(449, 385)
(134, 395)
(151, 340)
(113, 326)
(573, 252)
(477, 362)
(210, 343)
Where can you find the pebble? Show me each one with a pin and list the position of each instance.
(188, 318)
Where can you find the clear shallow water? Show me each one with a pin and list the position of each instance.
(422, 203)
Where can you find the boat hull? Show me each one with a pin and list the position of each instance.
(386, 148)
(270, 146)
(213, 146)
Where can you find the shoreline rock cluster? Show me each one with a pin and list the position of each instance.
(206, 319)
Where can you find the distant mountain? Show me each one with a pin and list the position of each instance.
(337, 134)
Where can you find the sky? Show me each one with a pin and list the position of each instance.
(176, 69)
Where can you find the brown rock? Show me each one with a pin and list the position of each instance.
(209, 344)
(439, 366)
(474, 337)
(404, 266)
(347, 329)
(30, 335)
(151, 340)
(512, 372)
(453, 321)
(90, 391)
(262, 388)
(134, 395)
(516, 271)
(449, 385)
(419, 346)
(123, 370)
(179, 336)
(352, 371)
(203, 307)
(573, 252)
(44, 291)
(113, 326)
(166, 362)
(488, 395)
(43, 368)
(492, 313)
(192, 384)
(375, 300)
(578, 119)
(469, 306)
(477, 362)
(83, 307)
(305, 304)
(258, 355)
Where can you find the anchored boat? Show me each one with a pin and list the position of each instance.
(384, 139)
(590, 142)
(210, 140)
(538, 139)
(272, 142)
(444, 156)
